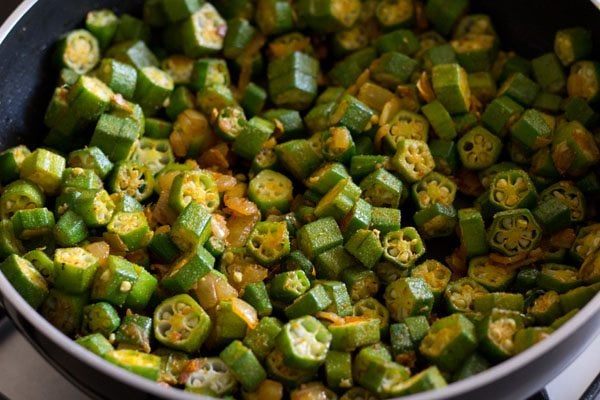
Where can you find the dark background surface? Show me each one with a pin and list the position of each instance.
(6, 7)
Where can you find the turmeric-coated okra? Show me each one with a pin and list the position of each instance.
(255, 198)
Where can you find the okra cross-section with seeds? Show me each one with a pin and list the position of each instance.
(272, 199)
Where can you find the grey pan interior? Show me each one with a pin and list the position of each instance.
(516, 378)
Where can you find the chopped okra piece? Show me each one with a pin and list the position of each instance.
(78, 50)
(489, 275)
(27, 280)
(572, 44)
(95, 207)
(337, 144)
(382, 189)
(181, 324)
(192, 227)
(500, 114)
(311, 302)
(120, 77)
(460, 295)
(145, 365)
(360, 282)
(252, 137)
(103, 25)
(44, 168)
(9, 243)
(263, 339)
(512, 189)
(570, 196)
(451, 87)
(583, 80)
(479, 148)
(269, 242)
(393, 69)
(64, 310)
(573, 149)
(559, 277)
(329, 15)
(32, 222)
(133, 52)
(132, 228)
(257, 295)
(289, 152)
(449, 341)
(331, 263)
(154, 86)
(42, 263)
(194, 187)
(304, 342)
(203, 32)
(440, 120)
(11, 161)
(131, 28)
(366, 247)
(408, 297)
(115, 136)
(270, 190)
(471, 232)
(513, 232)
(519, 88)
(403, 247)
(445, 156)
(437, 220)
(358, 218)
(527, 337)
(402, 40)
(497, 332)
(338, 369)
(287, 286)
(211, 377)
(96, 343)
(75, 269)
(548, 72)
(187, 270)
(326, 177)
(91, 158)
(434, 188)
(339, 200)
(531, 130)
(114, 282)
(445, 15)
(352, 114)
(100, 318)
(134, 333)
(435, 274)
(413, 160)
(243, 365)
(289, 376)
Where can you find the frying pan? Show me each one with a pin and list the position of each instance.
(26, 84)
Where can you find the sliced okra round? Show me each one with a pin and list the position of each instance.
(132, 178)
(78, 50)
(413, 159)
(26, 279)
(512, 189)
(194, 186)
(20, 195)
(210, 376)
(408, 297)
(493, 277)
(270, 190)
(434, 188)
(269, 242)
(304, 342)
(460, 295)
(132, 228)
(181, 324)
(570, 195)
(513, 232)
(435, 274)
(403, 247)
(153, 153)
(479, 148)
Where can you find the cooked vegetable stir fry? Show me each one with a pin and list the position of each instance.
(267, 199)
